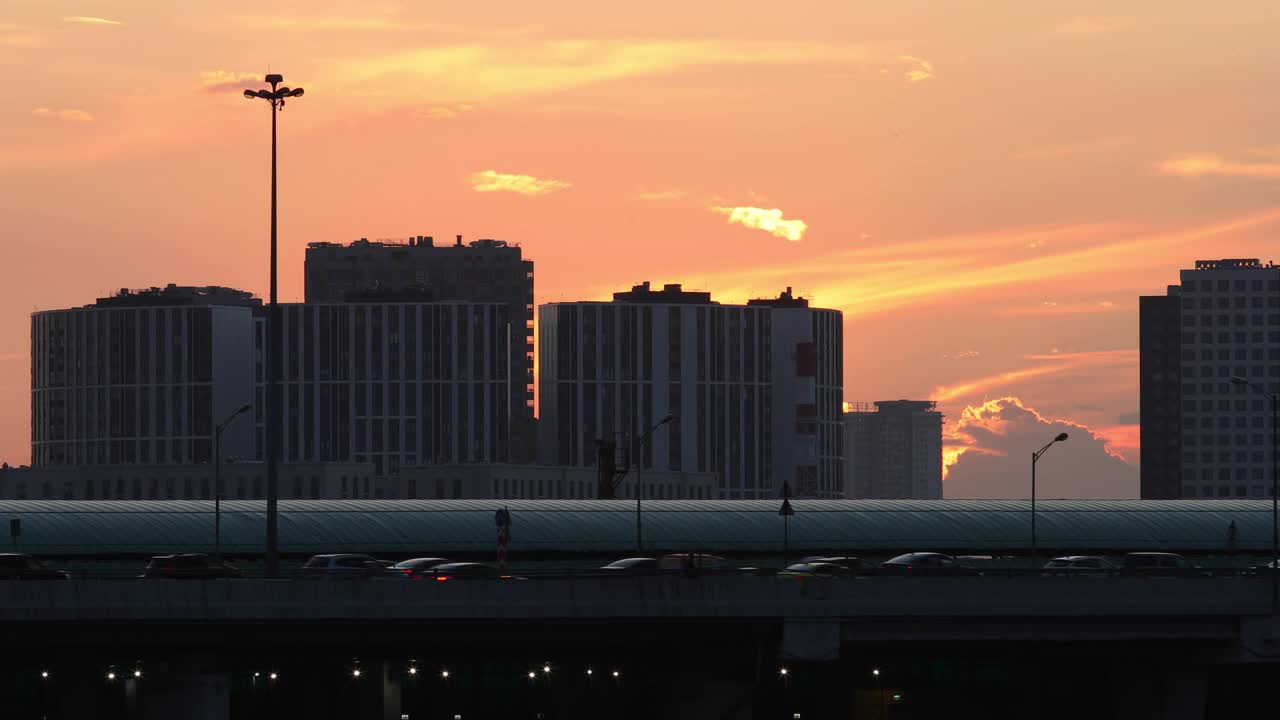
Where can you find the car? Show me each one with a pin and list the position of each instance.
(1156, 563)
(467, 571)
(188, 566)
(924, 564)
(419, 568)
(1091, 565)
(347, 566)
(632, 566)
(848, 561)
(1265, 567)
(814, 570)
(21, 566)
(689, 562)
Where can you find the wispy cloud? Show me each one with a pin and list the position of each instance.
(920, 71)
(1079, 147)
(770, 221)
(1213, 165)
(67, 114)
(217, 81)
(960, 355)
(20, 36)
(661, 195)
(86, 20)
(1054, 308)
(494, 181)
(1095, 25)
(442, 112)
(470, 73)
(1047, 364)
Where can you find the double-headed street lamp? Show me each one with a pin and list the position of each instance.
(271, 418)
(1275, 486)
(217, 477)
(1034, 457)
(644, 439)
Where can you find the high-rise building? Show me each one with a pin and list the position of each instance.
(1230, 326)
(894, 450)
(393, 383)
(1160, 403)
(479, 271)
(754, 390)
(142, 377)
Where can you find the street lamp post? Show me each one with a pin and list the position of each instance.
(1275, 487)
(644, 439)
(1034, 457)
(217, 477)
(879, 690)
(276, 96)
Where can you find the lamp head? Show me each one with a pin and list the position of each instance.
(296, 92)
(274, 78)
(250, 94)
(1061, 437)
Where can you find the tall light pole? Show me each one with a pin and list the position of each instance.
(1034, 457)
(271, 417)
(217, 477)
(644, 439)
(879, 690)
(1275, 487)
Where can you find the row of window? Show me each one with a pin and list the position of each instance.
(1225, 354)
(1208, 338)
(154, 488)
(1190, 320)
(1226, 285)
(1225, 491)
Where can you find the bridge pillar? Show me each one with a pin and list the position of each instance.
(1156, 690)
(392, 691)
(189, 688)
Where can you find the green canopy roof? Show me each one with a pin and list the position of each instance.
(106, 527)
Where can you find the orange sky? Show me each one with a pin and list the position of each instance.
(982, 188)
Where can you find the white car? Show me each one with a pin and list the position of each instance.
(348, 566)
(1091, 565)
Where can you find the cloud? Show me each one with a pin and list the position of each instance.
(494, 181)
(84, 20)
(1049, 364)
(1079, 147)
(470, 73)
(1097, 25)
(922, 70)
(216, 81)
(1054, 308)
(771, 221)
(1212, 165)
(67, 114)
(442, 112)
(20, 36)
(961, 355)
(990, 444)
(661, 195)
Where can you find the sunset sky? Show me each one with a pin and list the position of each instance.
(984, 188)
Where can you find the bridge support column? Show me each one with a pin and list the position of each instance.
(189, 688)
(392, 691)
(1159, 691)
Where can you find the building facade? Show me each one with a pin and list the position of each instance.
(393, 383)
(1230, 326)
(894, 450)
(611, 371)
(142, 377)
(480, 271)
(1160, 388)
(547, 481)
(239, 481)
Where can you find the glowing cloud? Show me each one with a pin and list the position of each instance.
(446, 112)
(661, 195)
(771, 221)
(84, 20)
(216, 81)
(1208, 164)
(1086, 26)
(14, 35)
(986, 449)
(922, 71)
(494, 181)
(1050, 364)
(68, 114)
